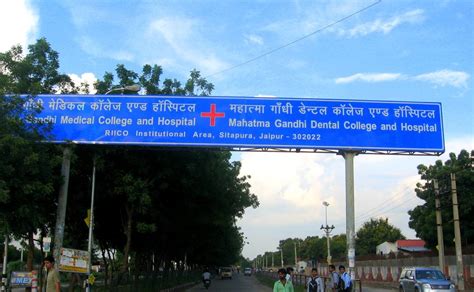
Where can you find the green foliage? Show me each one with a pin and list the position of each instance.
(151, 203)
(27, 168)
(375, 232)
(423, 217)
(312, 248)
(15, 266)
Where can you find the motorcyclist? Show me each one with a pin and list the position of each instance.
(206, 278)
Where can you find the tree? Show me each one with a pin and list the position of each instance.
(163, 204)
(28, 169)
(423, 217)
(172, 204)
(375, 232)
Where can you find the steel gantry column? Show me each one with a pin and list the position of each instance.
(350, 210)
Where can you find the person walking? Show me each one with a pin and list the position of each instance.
(282, 285)
(51, 282)
(345, 281)
(315, 283)
(289, 274)
(333, 278)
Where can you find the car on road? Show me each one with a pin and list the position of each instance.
(226, 272)
(248, 272)
(421, 279)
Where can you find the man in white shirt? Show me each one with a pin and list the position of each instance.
(206, 276)
(315, 283)
(345, 278)
(289, 273)
(333, 278)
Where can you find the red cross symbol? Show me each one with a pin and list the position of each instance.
(212, 115)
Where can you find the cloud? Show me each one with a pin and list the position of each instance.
(184, 38)
(265, 95)
(88, 78)
(95, 49)
(384, 26)
(291, 188)
(19, 22)
(253, 39)
(369, 77)
(445, 77)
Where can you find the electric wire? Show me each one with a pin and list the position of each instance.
(400, 195)
(384, 211)
(295, 41)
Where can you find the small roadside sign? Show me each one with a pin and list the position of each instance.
(47, 244)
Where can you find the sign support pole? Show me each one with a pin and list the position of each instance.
(350, 210)
(91, 226)
(62, 204)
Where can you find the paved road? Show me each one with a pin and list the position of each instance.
(367, 289)
(250, 284)
(239, 283)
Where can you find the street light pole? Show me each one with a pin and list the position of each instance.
(136, 88)
(327, 229)
(91, 225)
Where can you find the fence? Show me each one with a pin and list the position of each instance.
(388, 270)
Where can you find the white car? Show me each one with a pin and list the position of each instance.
(248, 272)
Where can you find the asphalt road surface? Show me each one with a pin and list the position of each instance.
(239, 283)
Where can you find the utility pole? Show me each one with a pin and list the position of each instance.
(273, 256)
(457, 234)
(281, 252)
(439, 226)
(296, 258)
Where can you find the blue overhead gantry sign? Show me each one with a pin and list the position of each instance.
(243, 122)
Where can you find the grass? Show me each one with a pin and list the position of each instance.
(269, 282)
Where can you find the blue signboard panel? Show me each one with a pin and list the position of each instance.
(243, 122)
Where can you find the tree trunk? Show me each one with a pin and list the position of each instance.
(31, 251)
(128, 234)
(106, 263)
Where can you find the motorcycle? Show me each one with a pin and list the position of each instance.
(207, 283)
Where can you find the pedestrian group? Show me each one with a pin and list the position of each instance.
(340, 282)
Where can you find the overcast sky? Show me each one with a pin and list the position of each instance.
(395, 50)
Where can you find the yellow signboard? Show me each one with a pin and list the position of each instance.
(74, 260)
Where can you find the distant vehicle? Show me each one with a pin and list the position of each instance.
(248, 272)
(226, 273)
(424, 280)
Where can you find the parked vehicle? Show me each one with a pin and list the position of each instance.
(421, 279)
(226, 273)
(248, 272)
